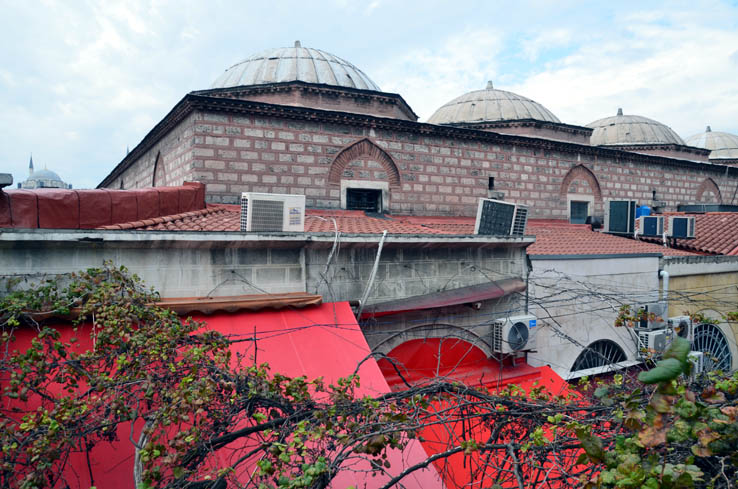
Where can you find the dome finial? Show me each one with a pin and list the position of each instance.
(620, 111)
(708, 129)
(489, 85)
(298, 44)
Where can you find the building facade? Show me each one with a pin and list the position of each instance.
(271, 124)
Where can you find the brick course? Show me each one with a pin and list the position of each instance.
(426, 173)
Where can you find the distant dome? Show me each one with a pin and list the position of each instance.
(44, 175)
(295, 64)
(722, 145)
(631, 130)
(491, 105)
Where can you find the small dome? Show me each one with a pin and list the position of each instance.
(491, 105)
(44, 175)
(631, 129)
(295, 64)
(722, 145)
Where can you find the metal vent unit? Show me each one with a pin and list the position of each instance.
(682, 327)
(620, 216)
(650, 225)
(515, 333)
(681, 227)
(653, 340)
(651, 316)
(499, 218)
(272, 212)
(697, 359)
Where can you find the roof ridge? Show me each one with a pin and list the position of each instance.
(211, 209)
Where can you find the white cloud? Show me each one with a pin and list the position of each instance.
(429, 77)
(679, 74)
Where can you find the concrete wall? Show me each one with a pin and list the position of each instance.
(708, 285)
(405, 272)
(175, 269)
(438, 175)
(577, 302)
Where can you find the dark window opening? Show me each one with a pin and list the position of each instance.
(491, 183)
(578, 212)
(364, 199)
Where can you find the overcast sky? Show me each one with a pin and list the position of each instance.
(81, 81)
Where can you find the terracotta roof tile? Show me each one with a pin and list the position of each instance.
(578, 239)
(552, 237)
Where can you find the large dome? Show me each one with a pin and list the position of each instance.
(491, 105)
(631, 130)
(722, 145)
(295, 64)
(44, 175)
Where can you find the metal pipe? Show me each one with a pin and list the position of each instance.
(664, 275)
(371, 276)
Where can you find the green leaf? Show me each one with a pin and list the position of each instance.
(679, 350)
(664, 371)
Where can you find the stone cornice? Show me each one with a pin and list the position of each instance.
(556, 126)
(193, 102)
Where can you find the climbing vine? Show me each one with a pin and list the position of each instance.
(198, 417)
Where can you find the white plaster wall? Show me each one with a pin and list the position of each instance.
(577, 302)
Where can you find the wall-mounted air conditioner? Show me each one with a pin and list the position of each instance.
(681, 227)
(272, 212)
(620, 216)
(697, 359)
(514, 333)
(496, 217)
(650, 316)
(653, 340)
(650, 226)
(682, 327)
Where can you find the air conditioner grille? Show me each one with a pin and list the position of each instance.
(518, 336)
(266, 215)
(497, 327)
(495, 218)
(521, 218)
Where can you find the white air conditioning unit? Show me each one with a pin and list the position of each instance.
(682, 327)
(653, 340)
(513, 334)
(272, 212)
(681, 227)
(620, 216)
(499, 218)
(650, 226)
(697, 359)
(651, 316)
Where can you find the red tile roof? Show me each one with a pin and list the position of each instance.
(552, 237)
(561, 238)
(715, 233)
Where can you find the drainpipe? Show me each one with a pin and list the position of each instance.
(371, 276)
(664, 275)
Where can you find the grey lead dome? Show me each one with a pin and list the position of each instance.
(295, 64)
(722, 145)
(491, 105)
(631, 129)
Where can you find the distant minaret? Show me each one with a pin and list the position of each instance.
(30, 166)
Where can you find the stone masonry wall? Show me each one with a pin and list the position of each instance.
(175, 153)
(438, 176)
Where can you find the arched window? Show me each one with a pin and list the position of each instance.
(599, 354)
(710, 340)
(582, 193)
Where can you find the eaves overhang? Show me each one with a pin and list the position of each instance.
(234, 239)
(596, 257)
(192, 102)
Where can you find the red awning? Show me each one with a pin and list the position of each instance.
(462, 295)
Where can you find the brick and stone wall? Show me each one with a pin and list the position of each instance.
(427, 170)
